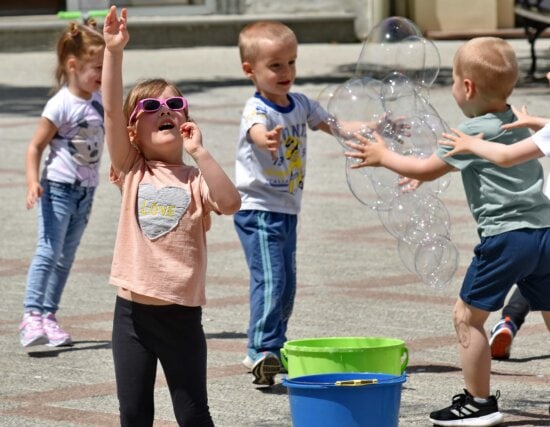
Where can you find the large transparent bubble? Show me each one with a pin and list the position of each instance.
(375, 193)
(418, 58)
(407, 251)
(436, 261)
(378, 56)
(326, 94)
(389, 95)
(355, 107)
(396, 44)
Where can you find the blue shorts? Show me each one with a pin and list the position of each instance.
(519, 256)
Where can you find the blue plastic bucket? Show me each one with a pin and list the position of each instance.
(345, 399)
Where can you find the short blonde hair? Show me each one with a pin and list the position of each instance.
(250, 36)
(491, 63)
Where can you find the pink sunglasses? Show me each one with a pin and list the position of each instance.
(150, 105)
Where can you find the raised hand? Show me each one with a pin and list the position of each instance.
(192, 137)
(115, 32)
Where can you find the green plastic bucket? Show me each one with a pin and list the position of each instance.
(344, 354)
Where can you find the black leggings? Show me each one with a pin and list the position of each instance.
(172, 334)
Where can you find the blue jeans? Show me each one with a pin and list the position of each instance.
(269, 243)
(63, 213)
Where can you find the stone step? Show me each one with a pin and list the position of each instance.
(39, 33)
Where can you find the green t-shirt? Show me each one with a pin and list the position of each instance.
(500, 199)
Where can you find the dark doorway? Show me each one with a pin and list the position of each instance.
(31, 7)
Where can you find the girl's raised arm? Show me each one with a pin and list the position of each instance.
(116, 37)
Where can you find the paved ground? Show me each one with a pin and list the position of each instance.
(350, 278)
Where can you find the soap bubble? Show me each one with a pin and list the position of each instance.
(380, 52)
(436, 261)
(407, 251)
(389, 95)
(418, 58)
(326, 94)
(364, 188)
(355, 107)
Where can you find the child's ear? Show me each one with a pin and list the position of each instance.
(247, 69)
(132, 134)
(71, 63)
(470, 88)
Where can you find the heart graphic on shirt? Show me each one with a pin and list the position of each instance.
(160, 210)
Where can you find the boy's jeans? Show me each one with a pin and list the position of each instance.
(63, 212)
(269, 243)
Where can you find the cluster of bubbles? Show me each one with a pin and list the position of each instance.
(389, 94)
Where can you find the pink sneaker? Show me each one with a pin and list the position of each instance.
(56, 336)
(31, 331)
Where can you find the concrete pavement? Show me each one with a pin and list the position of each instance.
(351, 281)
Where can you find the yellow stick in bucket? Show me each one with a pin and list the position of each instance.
(354, 383)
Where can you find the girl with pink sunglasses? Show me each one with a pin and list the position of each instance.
(159, 260)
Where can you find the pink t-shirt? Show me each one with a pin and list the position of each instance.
(160, 249)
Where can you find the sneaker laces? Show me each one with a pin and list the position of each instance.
(51, 322)
(32, 321)
(508, 323)
(459, 400)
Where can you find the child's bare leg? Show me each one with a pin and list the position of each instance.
(475, 354)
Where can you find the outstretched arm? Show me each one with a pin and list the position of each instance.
(222, 191)
(116, 37)
(377, 154)
(500, 154)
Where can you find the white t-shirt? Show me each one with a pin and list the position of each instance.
(269, 184)
(75, 150)
(542, 140)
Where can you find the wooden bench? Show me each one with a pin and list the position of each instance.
(535, 16)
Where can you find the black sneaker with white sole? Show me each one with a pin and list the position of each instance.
(465, 411)
(265, 367)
